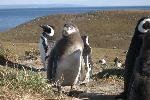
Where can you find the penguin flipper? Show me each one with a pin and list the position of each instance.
(50, 65)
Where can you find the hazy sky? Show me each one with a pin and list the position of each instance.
(80, 2)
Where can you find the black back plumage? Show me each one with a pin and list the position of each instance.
(140, 88)
(46, 28)
(133, 53)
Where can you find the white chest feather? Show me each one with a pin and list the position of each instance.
(68, 69)
(42, 44)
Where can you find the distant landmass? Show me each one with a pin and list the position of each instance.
(13, 15)
(106, 29)
(40, 6)
(61, 6)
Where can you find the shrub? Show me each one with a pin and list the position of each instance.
(7, 54)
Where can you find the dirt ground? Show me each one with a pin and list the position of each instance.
(110, 34)
(107, 81)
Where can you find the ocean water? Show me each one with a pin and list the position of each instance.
(10, 18)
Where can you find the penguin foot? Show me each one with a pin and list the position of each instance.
(59, 89)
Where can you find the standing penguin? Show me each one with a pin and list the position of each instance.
(117, 62)
(44, 45)
(140, 84)
(65, 61)
(87, 58)
(134, 51)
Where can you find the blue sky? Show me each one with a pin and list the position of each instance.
(79, 2)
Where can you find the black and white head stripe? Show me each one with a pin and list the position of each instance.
(48, 29)
(144, 25)
(87, 49)
(85, 40)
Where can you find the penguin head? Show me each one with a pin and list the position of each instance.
(69, 29)
(143, 25)
(85, 39)
(48, 30)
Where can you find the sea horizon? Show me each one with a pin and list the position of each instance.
(66, 6)
(12, 17)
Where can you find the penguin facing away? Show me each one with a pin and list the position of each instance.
(65, 61)
(141, 29)
(44, 45)
(87, 51)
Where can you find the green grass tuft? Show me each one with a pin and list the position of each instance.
(23, 81)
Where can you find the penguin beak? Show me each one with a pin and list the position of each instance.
(65, 25)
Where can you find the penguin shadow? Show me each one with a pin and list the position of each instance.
(98, 96)
(109, 72)
(10, 64)
(90, 96)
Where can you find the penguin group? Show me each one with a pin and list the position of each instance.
(68, 62)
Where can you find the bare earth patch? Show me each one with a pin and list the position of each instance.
(107, 81)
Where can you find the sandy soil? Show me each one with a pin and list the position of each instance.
(107, 81)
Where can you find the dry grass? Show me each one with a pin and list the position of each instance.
(20, 48)
(7, 54)
(106, 29)
(22, 82)
(26, 84)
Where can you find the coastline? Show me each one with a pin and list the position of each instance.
(12, 16)
(113, 28)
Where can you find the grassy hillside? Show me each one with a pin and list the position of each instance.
(107, 29)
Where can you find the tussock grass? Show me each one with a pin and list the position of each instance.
(18, 84)
(7, 54)
(23, 82)
(28, 85)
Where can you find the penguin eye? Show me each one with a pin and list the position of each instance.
(48, 30)
(144, 26)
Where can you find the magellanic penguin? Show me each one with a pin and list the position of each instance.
(65, 61)
(87, 52)
(134, 51)
(140, 84)
(117, 62)
(44, 45)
